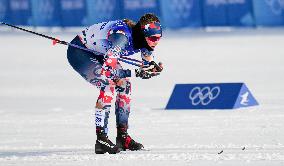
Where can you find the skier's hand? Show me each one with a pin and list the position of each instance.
(159, 67)
(153, 67)
(145, 74)
(149, 71)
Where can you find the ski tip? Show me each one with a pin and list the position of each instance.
(220, 152)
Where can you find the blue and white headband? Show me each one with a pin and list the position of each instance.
(152, 29)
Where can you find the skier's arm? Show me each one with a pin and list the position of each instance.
(147, 57)
(118, 42)
(148, 62)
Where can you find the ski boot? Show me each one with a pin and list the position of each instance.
(104, 145)
(124, 141)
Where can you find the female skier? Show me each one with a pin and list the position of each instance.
(111, 40)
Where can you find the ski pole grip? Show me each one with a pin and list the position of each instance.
(157, 67)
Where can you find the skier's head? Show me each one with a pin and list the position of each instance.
(151, 27)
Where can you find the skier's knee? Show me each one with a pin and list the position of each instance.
(99, 105)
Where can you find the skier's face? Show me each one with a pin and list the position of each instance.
(153, 40)
(152, 32)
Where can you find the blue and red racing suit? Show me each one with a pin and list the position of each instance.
(110, 40)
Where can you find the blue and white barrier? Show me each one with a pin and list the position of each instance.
(73, 12)
(240, 13)
(46, 13)
(214, 12)
(4, 11)
(134, 9)
(269, 12)
(177, 14)
(173, 13)
(20, 12)
(103, 10)
(211, 96)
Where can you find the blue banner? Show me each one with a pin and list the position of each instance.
(181, 14)
(269, 12)
(214, 12)
(20, 12)
(174, 14)
(103, 10)
(4, 10)
(240, 13)
(211, 96)
(73, 12)
(46, 12)
(134, 9)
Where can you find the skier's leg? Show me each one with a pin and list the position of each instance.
(90, 68)
(122, 110)
(122, 104)
(103, 144)
(103, 106)
(85, 63)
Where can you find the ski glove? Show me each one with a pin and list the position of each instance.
(153, 67)
(146, 72)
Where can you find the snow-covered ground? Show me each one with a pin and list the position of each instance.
(45, 107)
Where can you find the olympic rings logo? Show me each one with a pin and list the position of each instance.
(276, 6)
(203, 96)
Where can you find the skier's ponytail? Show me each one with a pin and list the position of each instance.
(129, 22)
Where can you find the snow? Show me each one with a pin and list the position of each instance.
(46, 108)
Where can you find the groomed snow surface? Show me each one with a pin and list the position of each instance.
(46, 108)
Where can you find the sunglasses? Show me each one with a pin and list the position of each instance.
(154, 38)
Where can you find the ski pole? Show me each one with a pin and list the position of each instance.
(127, 60)
(35, 33)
